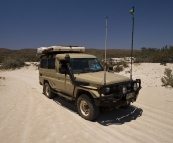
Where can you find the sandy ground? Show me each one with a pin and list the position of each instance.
(26, 115)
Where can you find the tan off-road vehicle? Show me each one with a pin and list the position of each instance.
(68, 72)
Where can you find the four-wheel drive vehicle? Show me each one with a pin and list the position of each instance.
(70, 73)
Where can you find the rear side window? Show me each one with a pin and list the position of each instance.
(43, 63)
(51, 63)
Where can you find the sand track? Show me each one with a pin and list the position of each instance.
(26, 115)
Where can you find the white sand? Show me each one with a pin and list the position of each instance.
(26, 115)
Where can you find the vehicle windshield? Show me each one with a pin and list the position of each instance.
(83, 65)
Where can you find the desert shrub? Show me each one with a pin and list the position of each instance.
(139, 60)
(168, 78)
(12, 62)
(1, 59)
(118, 68)
(163, 63)
(125, 65)
(31, 58)
(155, 55)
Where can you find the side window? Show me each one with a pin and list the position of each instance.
(43, 63)
(51, 63)
(62, 67)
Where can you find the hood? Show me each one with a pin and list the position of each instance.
(98, 78)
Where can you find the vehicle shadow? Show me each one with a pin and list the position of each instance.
(69, 105)
(119, 116)
(106, 118)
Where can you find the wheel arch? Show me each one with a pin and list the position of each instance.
(46, 81)
(79, 92)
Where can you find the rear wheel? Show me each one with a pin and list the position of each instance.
(87, 108)
(47, 91)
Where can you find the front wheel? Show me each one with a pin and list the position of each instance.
(87, 108)
(126, 106)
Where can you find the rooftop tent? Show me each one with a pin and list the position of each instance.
(60, 49)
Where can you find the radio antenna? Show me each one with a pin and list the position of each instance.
(105, 51)
(132, 12)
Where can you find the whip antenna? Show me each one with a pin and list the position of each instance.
(105, 52)
(132, 12)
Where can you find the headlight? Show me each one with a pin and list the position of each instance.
(135, 86)
(107, 89)
(124, 90)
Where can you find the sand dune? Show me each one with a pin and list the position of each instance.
(26, 115)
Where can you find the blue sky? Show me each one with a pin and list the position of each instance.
(37, 23)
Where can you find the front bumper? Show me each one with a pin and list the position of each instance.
(118, 99)
(113, 101)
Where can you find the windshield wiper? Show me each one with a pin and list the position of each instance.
(86, 70)
(97, 70)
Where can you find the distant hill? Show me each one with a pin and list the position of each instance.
(31, 53)
(6, 52)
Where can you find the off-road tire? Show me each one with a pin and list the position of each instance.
(47, 91)
(87, 108)
(126, 106)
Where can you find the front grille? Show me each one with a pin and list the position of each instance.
(117, 88)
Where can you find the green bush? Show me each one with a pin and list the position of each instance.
(118, 68)
(163, 63)
(125, 65)
(155, 55)
(1, 59)
(12, 62)
(168, 78)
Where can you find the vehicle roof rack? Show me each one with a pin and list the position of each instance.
(60, 49)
